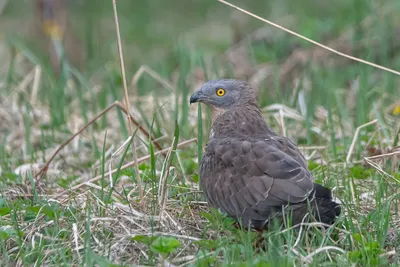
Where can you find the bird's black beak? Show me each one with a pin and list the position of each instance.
(196, 97)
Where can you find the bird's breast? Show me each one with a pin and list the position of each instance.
(243, 121)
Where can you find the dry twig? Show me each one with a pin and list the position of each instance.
(74, 188)
(43, 170)
(355, 137)
(310, 40)
(127, 107)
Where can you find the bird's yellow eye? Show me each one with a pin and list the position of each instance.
(220, 92)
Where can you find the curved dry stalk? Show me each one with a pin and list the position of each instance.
(121, 62)
(145, 69)
(140, 127)
(43, 170)
(130, 164)
(309, 257)
(355, 137)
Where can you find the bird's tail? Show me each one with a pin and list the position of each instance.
(322, 207)
(328, 209)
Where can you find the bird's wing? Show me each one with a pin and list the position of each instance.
(249, 179)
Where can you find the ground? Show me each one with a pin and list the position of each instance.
(343, 115)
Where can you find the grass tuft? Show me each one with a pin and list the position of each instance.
(342, 114)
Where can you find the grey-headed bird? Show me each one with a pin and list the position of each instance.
(250, 172)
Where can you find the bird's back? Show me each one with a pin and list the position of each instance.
(251, 173)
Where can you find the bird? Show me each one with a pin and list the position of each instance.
(250, 172)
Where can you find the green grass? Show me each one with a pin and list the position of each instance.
(104, 226)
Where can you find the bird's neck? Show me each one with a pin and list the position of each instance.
(239, 121)
(216, 112)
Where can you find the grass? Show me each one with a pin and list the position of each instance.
(44, 222)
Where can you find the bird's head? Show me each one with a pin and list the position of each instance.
(224, 94)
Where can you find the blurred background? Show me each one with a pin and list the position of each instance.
(59, 60)
(59, 68)
(166, 34)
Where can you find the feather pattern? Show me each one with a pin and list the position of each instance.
(251, 173)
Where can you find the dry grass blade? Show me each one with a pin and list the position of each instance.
(370, 161)
(379, 169)
(165, 172)
(76, 237)
(309, 257)
(113, 155)
(384, 155)
(140, 127)
(355, 137)
(163, 180)
(351, 149)
(121, 61)
(124, 167)
(145, 69)
(310, 40)
(36, 83)
(24, 83)
(43, 170)
(285, 111)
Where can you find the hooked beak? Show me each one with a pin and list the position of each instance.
(197, 97)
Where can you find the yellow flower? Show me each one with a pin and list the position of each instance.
(396, 110)
(52, 29)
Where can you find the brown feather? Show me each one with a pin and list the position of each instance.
(251, 173)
